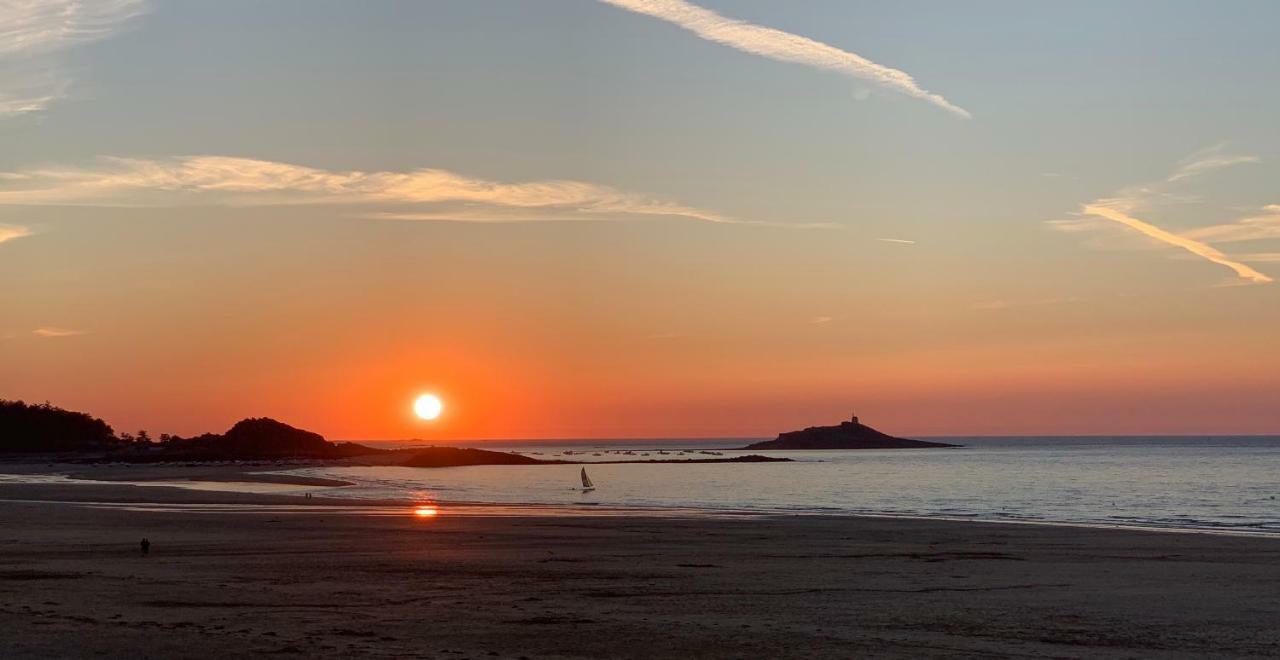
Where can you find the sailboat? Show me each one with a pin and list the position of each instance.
(586, 482)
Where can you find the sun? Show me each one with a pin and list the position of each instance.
(428, 406)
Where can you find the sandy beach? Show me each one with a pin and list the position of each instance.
(325, 584)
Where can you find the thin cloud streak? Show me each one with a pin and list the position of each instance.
(1208, 160)
(1253, 228)
(1120, 209)
(898, 241)
(23, 92)
(221, 180)
(782, 46)
(54, 333)
(12, 232)
(34, 34)
(1190, 245)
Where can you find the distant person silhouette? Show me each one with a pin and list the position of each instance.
(146, 546)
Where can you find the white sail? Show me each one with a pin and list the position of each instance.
(586, 481)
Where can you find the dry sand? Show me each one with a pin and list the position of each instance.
(74, 584)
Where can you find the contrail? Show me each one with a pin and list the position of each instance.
(1134, 199)
(781, 46)
(1190, 245)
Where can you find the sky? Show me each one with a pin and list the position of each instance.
(643, 218)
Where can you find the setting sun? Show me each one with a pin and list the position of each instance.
(428, 406)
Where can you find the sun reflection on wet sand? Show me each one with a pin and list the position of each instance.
(398, 510)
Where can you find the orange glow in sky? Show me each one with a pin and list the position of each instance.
(723, 246)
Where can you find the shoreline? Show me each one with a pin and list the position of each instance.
(169, 490)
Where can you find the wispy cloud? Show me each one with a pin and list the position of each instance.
(432, 194)
(53, 333)
(1208, 160)
(22, 92)
(898, 241)
(821, 320)
(1264, 225)
(11, 232)
(33, 36)
(1121, 208)
(782, 46)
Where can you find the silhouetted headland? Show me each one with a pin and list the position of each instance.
(259, 438)
(845, 435)
(45, 428)
(66, 435)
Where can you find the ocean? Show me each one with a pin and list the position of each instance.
(1216, 484)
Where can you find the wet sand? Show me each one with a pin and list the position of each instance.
(74, 584)
(248, 472)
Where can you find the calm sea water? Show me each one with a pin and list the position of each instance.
(1225, 484)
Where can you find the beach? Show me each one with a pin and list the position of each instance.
(332, 582)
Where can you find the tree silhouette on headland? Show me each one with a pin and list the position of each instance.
(44, 427)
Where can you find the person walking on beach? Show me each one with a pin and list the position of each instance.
(146, 546)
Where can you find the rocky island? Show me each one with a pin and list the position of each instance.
(845, 435)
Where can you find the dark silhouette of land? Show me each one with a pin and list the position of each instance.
(78, 437)
(749, 458)
(44, 428)
(259, 438)
(846, 435)
(435, 457)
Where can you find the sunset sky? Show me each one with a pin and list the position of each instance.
(630, 218)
